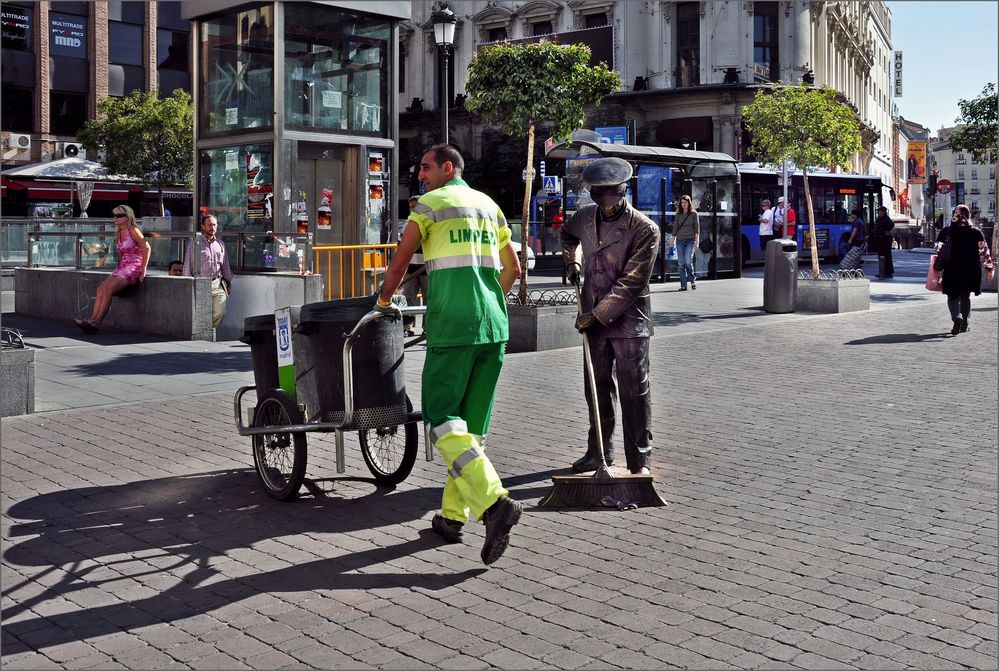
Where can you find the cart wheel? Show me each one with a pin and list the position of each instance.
(280, 457)
(390, 451)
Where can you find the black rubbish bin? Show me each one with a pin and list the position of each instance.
(379, 376)
(258, 333)
(780, 281)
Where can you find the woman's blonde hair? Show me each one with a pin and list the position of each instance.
(679, 204)
(129, 215)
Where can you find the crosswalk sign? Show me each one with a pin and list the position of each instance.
(551, 184)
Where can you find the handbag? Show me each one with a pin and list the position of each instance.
(942, 257)
(706, 246)
(934, 277)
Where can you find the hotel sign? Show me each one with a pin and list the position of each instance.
(896, 72)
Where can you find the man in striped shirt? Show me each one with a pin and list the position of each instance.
(471, 267)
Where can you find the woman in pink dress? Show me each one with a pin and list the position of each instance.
(133, 250)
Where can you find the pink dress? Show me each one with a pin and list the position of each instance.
(130, 266)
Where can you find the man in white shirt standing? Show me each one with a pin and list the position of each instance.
(766, 224)
(214, 264)
(778, 224)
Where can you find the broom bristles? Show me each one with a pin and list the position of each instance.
(585, 491)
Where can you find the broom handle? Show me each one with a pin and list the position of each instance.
(592, 379)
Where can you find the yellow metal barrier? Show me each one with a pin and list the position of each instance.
(349, 271)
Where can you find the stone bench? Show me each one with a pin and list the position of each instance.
(179, 308)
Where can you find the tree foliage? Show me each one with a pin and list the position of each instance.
(519, 86)
(810, 127)
(146, 137)
(979, 135)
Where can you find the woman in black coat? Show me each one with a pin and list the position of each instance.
(962, 272)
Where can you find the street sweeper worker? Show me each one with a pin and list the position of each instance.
(619, 246)
(471, 267)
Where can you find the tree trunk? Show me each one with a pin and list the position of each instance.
(811, 225)
(525, 215)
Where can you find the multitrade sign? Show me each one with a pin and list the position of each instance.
(896, 72)
(69, 36)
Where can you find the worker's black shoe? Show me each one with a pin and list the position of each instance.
(590, 462)
(499, 519)
(449, 530)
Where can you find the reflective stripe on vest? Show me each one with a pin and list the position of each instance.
(463, 261)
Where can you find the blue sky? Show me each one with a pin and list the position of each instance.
(949, 53)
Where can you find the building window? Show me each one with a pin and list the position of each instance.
(236, 185)
(18, 23)
(765, 62)
(67, 113)
(960, 173)
(128, 11)
(125, 46)
(336, 70)
(402, 71)
(18, 108)
(595, 20)
(237, 57)
(974, 172)
(173, 58)
(497, 34)
(688, 44)
(542, 28)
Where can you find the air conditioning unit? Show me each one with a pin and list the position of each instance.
(18, 141)
(73, 150)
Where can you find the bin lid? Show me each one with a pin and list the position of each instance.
(788, 245)
(259, 323)
(341, 310)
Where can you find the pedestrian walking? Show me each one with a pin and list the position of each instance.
(686, 238)
(214, 264)
(471, 267)
(618, 245)
(962, 266)
(133, 252)
(858, 234)
(883, 226)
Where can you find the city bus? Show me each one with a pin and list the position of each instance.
(834, 196)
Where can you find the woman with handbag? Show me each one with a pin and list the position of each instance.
(686, 236)
(961, 254)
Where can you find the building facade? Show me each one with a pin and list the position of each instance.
(971, 182)
(687, 67)
(61, 58)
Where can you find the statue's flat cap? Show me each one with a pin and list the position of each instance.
(607, 172)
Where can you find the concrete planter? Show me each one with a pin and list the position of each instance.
(17, 393)
(536, 329)
(833, 295)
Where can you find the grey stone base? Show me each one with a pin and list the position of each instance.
(833, 295)
(988, 285)
(536, 329)
(17, 382)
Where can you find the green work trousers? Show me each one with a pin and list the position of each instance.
(459, 384)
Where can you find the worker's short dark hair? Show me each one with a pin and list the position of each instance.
(448, 152)
(413, 199)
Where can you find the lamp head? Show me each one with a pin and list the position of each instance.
(444, 22)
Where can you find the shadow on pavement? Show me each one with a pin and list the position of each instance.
(171, 363)
(35, 330)
(196, 532)
(898, 338)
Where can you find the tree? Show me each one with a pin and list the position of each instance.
(808, 126)
(521, 86)
(979, 135)
(145, 136)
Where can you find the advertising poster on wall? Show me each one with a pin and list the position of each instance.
(324, 219)
(916, 163)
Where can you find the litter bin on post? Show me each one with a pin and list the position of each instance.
(780, 282)
(379, 387)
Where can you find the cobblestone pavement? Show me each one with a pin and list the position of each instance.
(833, 504)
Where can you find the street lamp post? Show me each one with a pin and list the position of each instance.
(444, 22)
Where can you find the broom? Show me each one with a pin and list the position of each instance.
(602, 488)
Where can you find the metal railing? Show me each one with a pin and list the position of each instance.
(349, 271)
(95, 249)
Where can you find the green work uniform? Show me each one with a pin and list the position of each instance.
(467, 328)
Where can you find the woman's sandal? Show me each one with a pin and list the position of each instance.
(86, 326)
